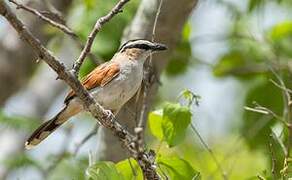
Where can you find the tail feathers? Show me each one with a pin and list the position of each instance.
(45, 130)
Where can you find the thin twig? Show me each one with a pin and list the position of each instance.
(85, 139)
(97, 27)
(223, 174)
(287, 114)
(280, 86)
(256, 110)
(156, 19)
(272, 158)
(276, 138)
(263, 110)
(53, 10)
(148, 79)
(62, 27)
(106, 118)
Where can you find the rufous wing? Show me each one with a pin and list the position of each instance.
(99, 77)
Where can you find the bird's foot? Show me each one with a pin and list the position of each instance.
(108, 114)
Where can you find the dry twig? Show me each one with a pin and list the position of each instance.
(62, 27)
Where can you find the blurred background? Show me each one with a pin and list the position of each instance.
(235, 55)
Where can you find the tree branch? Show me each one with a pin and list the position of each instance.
(97, 27)
(104, 117)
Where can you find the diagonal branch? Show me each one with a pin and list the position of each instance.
(105, 118)
(97, 27)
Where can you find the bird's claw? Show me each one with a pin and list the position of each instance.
(108, 114)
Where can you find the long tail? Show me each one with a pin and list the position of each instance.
(47, 128)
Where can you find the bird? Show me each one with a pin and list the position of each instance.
(111, 84)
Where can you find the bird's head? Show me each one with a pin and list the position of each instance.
(140, 49)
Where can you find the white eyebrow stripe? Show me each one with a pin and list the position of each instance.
(134, 42)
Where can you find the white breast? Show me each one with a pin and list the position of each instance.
(117, 92)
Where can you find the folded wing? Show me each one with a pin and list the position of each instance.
(99, 77)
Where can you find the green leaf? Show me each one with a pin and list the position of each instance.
(89, 3)
(281, 37)
(190, 97)
(245, 60)
(176, 168)
(187, 30)
(228, 63)
(170, 123)
(176, 119)
(281, 30)
(103, 170)
(155, 121)
(130, 171)
(255, 4)
(180, 59)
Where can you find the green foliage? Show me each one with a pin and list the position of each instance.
(257, 127)
(103, 170)
(127, 169)
(170, 123)
(130, 169)
(181, 56)
(176, 119)
(229, 63)
(255, 4)
(155, 123)
(176, 168)
(21, 160)
(87, 67)
(277, 156)
(246, 59)
(83, 17)
(281, 38)
(17, 122)
(70, 168)
(89, 4)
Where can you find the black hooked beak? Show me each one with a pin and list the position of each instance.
(158, 47)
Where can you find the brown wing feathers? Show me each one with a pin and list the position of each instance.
(100, 76)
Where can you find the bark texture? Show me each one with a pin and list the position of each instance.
(168, 31)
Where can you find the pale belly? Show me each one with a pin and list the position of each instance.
(117, 92)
